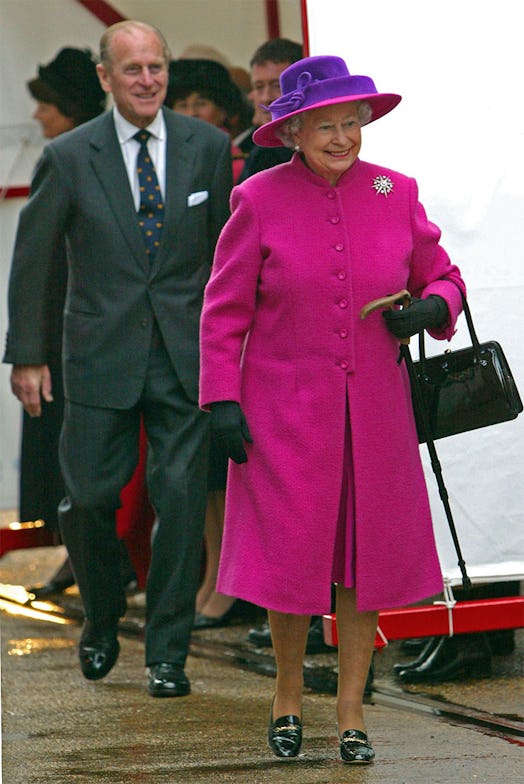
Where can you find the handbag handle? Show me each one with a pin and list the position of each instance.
(472, 333)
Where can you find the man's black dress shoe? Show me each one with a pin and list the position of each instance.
(261, 636)
(62, 579)
(429, 645)
(284, 735)
(462, 656)
(413, 646)
(98, 650)
(355, 748)
(167, 680)
(51, 588)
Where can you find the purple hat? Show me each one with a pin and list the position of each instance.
(320, 81)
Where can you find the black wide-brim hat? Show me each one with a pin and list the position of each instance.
(320, 81)
(72, 76)
(207, 77)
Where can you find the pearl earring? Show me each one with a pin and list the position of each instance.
(297, 147)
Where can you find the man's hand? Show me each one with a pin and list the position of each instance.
(31, 383)
(230, 429)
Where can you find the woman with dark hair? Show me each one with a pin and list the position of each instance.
(67, 92)
(204, 89)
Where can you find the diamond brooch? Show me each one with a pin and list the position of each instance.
(382, 185)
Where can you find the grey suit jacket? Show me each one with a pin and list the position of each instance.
(81, 191)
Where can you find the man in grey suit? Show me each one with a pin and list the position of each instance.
(130, 338)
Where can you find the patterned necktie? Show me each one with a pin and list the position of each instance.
(151, 210)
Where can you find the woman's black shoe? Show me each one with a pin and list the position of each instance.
(355, 748)
(429, 646)
(215, 622)
(284, 735)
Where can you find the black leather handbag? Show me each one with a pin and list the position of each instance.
(455, 392)
(463, 390)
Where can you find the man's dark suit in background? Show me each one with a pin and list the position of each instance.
(130, 344)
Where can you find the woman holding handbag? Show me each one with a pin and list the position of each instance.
(326, 484)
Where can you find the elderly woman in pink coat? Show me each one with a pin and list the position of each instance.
(326, 484)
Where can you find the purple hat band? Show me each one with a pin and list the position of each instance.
(310, 91)
(319, 81)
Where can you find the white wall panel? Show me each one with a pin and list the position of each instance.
(460, 131)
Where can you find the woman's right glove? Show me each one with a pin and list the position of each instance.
(230, 430)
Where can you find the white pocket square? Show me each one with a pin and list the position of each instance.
(197, 198)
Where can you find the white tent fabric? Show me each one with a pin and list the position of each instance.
(460, 131)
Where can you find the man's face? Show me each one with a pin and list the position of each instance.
(265, 80)
(137, 75)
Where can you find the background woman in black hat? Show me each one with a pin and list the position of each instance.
(204, 89)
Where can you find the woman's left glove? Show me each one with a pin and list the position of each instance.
(430, 313)
(230, 429)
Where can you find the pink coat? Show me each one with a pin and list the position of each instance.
(281, 335)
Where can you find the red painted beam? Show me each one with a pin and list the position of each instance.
(17, 536)
(103, 11)
(305, 27)
(433, 620)
(272, 19)
(14, 191)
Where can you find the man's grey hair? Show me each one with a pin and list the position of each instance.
(129, 26)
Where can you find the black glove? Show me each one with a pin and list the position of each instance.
(429, 313)
(230, 429)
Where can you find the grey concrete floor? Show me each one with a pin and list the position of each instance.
(59, 728)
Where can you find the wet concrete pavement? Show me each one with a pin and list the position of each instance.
(59, 728)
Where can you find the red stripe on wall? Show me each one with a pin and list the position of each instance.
(14, 191)
(272, 19)
(103, 11)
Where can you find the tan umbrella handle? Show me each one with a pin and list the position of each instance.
(402, 298)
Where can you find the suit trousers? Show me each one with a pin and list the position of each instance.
(41, 483)
(98, 452)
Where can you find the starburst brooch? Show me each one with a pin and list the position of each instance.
(382, 185)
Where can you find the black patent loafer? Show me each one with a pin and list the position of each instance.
(285, 735)
(98, 651)
(355, 748)
(167, 680)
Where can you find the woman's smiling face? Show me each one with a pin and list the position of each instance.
(330, 139)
